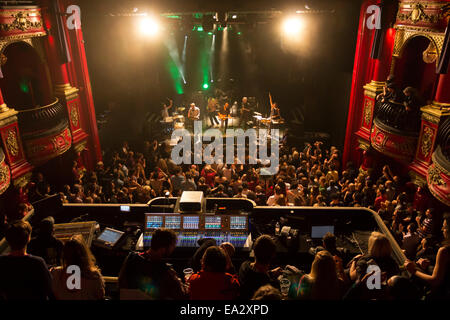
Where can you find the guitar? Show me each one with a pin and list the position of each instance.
(225, 114)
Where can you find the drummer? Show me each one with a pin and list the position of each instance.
(165, 109)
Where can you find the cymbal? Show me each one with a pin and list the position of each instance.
(256, 113)
(181, 109)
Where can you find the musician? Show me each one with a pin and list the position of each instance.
(165, 110)
(245, 112)
(212, 110)
(193, 115)
(224, 114)
(274, 110)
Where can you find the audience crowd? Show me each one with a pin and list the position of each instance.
(313, 176)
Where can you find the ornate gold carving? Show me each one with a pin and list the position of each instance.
(435, 112)
(363, 144)
(3, 108)
(3, 59)
(21, 22)
(74, 116)
(404, 34)
(22, 181)
(11, 143)
(427, 141)
(4, 177)
(438, 165)
(8, 117)
(418, 14)
(80, 146)
(417, 179)
(435, 176)
(368, 111)
(430, 118)
(66, 91)
(430, 54)
(4, 42)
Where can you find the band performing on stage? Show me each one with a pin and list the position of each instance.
(221, 111)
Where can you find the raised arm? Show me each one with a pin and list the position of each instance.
(442, 260)
(270, 98)
(171, 104)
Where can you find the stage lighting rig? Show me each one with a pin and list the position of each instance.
(208, 23)
(149, 26)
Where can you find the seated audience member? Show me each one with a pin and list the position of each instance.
(267, 292)
(411, 241)
(379, 253)
(425, 229)
(196, 260)
(91, 285)
(426, 251)
(148, 273)
(439, 280)
(322, 283)
(229, 251)
(45, 245)
(213, 283)
(401, 288)
(253, 275)
(329, 244)
(23, 276)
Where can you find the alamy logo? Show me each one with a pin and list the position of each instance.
(74, 17)
(374, 20)
(74, 280)
(374, 280)
(214, 152)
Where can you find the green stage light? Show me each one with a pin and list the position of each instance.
(24, 87)
(239, 33)
(200, 29)
(205, 86)
(210, 33)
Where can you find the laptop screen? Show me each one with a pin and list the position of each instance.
(317, 232)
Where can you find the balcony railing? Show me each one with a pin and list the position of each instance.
(443, 139)
(396, 116)
(42, 120)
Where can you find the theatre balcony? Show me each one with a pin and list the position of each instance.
(45, 132)
(438, 175)
(395, 130)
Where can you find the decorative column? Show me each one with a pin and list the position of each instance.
(381, 71)
(432, 117)
(12, 145)
(63, 90)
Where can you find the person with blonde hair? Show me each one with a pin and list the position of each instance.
(76, 253)
(322, 283)
(379, 253)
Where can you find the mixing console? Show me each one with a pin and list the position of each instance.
(191, 228)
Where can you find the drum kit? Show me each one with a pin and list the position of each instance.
(266, 122)
(176, 121)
